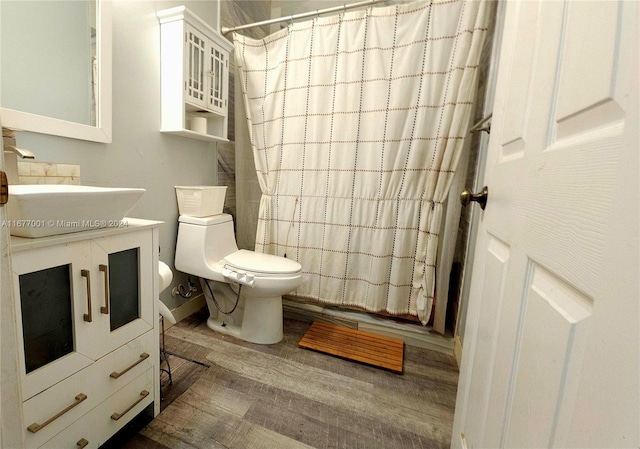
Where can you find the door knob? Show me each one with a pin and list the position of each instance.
(467, 197)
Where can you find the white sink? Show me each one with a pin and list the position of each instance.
(41, 210)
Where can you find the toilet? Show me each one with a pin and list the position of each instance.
(246, 285)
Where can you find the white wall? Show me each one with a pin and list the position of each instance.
(140, 156)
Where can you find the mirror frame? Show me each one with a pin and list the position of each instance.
(101, 132)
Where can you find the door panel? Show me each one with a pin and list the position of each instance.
(130, 292)
(546, 358)
(584, 102)
(521, 70)
(496, 266)
(73, 257)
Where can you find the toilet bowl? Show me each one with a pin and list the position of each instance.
(243, 289)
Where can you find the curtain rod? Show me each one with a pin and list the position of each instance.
(226, 30)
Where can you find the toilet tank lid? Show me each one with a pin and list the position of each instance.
(205, 221)
(261, 263)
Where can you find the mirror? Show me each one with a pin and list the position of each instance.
(55, 67)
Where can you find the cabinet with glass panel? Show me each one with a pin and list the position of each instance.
(195, 76)
(87, 330)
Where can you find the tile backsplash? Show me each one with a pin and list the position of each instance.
(47, 173)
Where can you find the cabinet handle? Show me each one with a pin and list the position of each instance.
(115, 374)
(117, 416)
(33, 428)
(86, 274)
(105, 269)
(82, 443)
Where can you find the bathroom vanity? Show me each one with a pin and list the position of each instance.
(87, 332)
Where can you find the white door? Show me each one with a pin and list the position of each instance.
(551, 345)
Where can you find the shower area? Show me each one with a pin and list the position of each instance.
(350, 147)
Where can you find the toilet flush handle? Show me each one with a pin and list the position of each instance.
(240, 277)
(230, 275)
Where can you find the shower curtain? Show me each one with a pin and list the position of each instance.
(357, 123)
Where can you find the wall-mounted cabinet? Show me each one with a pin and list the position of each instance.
(195, 76)
(87, 332)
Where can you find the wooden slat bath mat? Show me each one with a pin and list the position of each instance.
(352, 344)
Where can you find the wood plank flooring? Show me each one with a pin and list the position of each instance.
(281, 396)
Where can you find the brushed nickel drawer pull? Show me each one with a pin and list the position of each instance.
(105, 269)
(33, 428)
(86, 274)
(116, 374)
(117, 416)
(82, 443)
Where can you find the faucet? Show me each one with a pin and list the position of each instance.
(11, 154)
(23, 153)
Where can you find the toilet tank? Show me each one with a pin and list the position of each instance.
(202, 243)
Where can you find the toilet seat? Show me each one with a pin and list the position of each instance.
(244, 267)
(260, 264)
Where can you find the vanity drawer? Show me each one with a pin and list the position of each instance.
(119, 367)
(97, 382)
(52, 410)
(80, 434)
(100, 424)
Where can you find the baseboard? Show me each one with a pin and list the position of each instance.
(457, 349)
(411, 334)
(188, 308)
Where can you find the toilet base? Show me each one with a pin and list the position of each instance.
(261, 321)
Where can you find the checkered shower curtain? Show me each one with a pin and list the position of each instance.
(357, 123)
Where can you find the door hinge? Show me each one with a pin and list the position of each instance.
(4, 188)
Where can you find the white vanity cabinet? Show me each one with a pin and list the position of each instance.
(195, 76)
(87, 332)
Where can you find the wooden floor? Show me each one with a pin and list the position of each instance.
(282, 396)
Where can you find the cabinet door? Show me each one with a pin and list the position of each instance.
(53, 296)
(195, 67)
(123, 267)
(218, 77)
